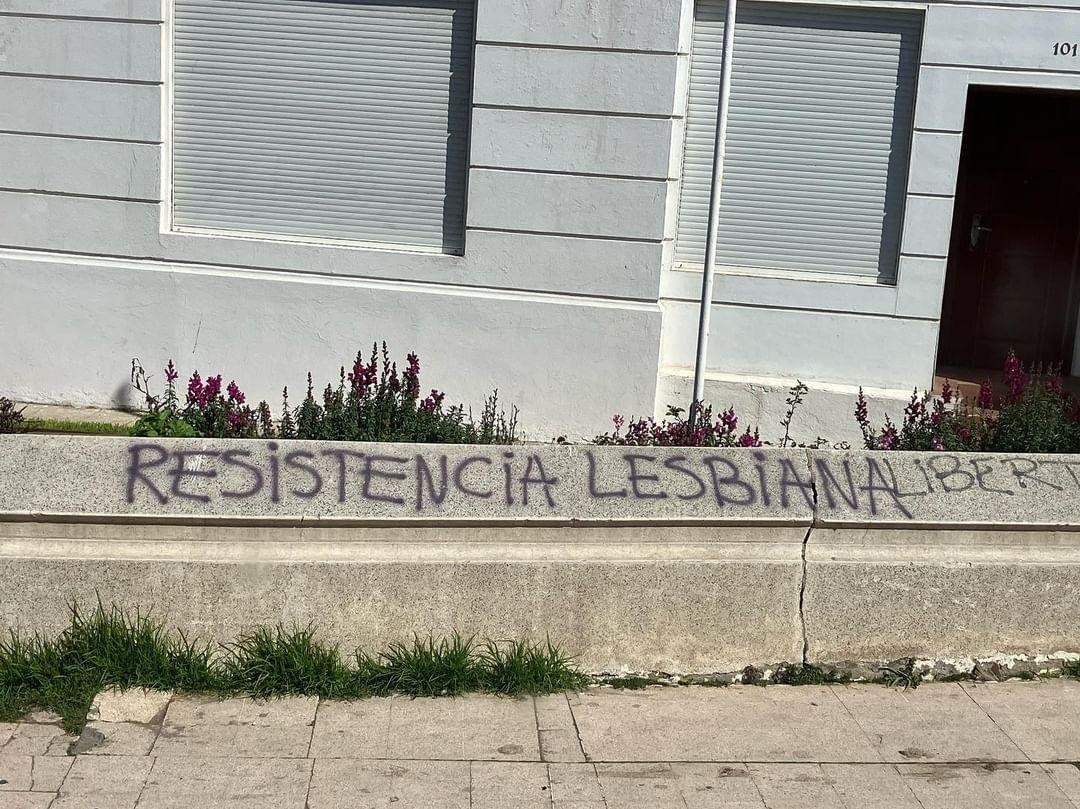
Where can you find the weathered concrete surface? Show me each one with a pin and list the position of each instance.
(942, 746)
(196, 479)
(649, 598)
(943, 490)
(881, 594)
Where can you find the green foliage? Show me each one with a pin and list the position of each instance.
(11, 417)
(373, 402)
(376, 402)
(807, 674)
(108, 647)
(273, 661)
(631, 682)
(1038, 420)
(520, 667)
(1032, 414)
(163, 424)
(425, 668)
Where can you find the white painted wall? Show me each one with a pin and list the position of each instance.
(838, 334)
(566, 296)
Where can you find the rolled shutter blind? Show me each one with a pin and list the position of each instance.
(819, 129)
(340, 119)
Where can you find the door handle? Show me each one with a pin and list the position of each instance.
(977, 230)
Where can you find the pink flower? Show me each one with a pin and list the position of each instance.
(411, 377)
(433, 402)
(236, 396)
(937, 444)
(947, 392)
(171, 374)
(985, 401)
(213, 388)
(1015, 378)
(195, 390)
(889, 437)
(748, 440)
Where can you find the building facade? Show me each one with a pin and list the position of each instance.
(517, 190)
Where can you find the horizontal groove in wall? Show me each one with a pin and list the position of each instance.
(1004, 69)
(159, 264)
(924, 255)
(79, 137)
(80, 18)
(559, 111)
(568, 235)
(596, 175)
(96, 80)
(925, 130)
(928, 195)
(544, 46)
(783, 307)
(44, 192)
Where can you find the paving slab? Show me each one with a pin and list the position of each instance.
(176, 782)
(987, 786)
(116, 739)
(48, 772)
(34, 739)
(814, 786)
(1042, 719)
(576, 786)
(104, 782)
(26, 800)
(350, 784)
(467, 728)
(1067, 778)
(352, 729)
(935, 722)
(520, 784)
(6, 729)
(738, 723)
(133, 705)
(555, 726)
(16, 772)
(197, 726)
(677, 786)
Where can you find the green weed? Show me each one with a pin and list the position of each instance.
(109, 647)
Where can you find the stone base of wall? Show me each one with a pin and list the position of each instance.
(640, 599)
(671, 599)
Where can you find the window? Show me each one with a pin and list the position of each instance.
(819, 131)
(324, 119)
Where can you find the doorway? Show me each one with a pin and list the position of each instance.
(1012, 280)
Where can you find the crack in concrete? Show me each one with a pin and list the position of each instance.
(802, 581)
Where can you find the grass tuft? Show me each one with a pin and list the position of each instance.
(274, 662)
(519, 667)
(76, 427)
(424, 668)
(108, 647)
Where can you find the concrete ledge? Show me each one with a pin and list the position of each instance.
(671, 559)
(198, 480)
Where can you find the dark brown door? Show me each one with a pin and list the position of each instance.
(1011, 280)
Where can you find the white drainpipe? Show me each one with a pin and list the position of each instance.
(714, 209)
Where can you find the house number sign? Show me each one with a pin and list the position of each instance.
(1066, 48)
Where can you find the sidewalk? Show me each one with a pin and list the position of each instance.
(742, 747)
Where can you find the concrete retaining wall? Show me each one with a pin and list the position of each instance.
(669, 559)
